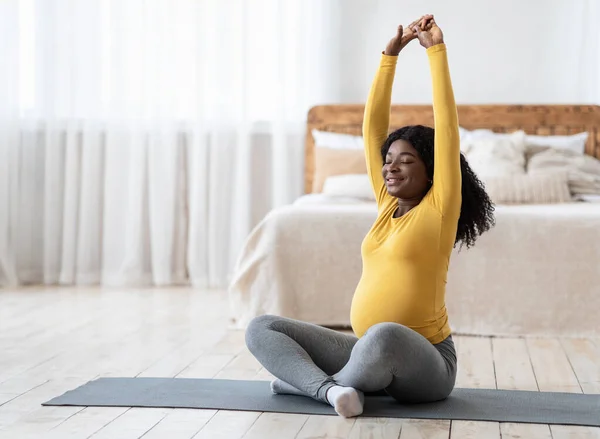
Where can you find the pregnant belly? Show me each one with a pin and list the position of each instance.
(410, 305)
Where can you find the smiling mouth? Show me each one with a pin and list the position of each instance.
(393, 181)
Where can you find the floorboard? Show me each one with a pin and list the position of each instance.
(55, 339)
(475, 370)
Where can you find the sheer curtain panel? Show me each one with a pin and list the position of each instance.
(141, 140)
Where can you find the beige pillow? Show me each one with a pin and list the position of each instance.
(330, 162)
(583, 171)
(540, 188)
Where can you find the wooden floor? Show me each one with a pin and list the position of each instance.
(53, 340)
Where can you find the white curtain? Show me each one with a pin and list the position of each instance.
(141, 140)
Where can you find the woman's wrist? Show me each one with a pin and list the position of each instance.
(436, 43)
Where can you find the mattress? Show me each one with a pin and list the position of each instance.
(536, 272)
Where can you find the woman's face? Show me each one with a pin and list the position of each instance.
(404, 172)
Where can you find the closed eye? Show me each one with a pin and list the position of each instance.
(403, 162)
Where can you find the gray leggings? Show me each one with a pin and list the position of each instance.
(389, 357)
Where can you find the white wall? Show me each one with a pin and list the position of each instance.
(510, 51)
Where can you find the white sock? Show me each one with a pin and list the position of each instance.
(280, 387)
(347, 401)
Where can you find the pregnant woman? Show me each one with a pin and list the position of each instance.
(428, 200)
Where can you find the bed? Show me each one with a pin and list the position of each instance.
(537, 272)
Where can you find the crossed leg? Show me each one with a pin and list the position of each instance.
(329, 366)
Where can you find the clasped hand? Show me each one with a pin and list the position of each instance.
(425, 29)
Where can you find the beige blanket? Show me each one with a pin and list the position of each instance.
(536, 272)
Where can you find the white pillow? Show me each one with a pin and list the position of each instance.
(496, 156)
(349, 185)
(329, 200)
(325, 139)
(575, 142)
(588, 198)
(467, 135)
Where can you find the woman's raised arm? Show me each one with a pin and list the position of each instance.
(446, 175)
(377, 111)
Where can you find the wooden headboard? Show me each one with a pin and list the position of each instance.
(533, 119)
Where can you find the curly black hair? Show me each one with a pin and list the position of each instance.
(477, 209)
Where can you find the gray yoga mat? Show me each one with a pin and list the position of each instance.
(462, 404)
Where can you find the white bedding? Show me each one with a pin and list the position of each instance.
(536, 272)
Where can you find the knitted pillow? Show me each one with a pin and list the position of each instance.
(539, 188)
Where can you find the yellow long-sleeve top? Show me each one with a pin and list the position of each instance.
(405, 259)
